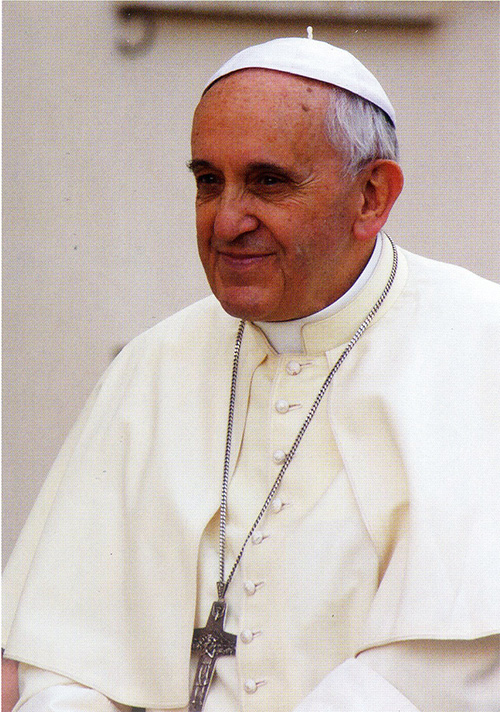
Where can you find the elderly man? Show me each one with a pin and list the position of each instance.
(304, 469)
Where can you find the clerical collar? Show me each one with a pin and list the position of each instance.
(286, 336)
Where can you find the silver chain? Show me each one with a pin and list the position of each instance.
(221, 585)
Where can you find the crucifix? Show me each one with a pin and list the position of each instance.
(212, 641)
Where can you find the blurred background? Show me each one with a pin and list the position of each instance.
(98, 218)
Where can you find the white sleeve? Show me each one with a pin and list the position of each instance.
(442, 675)
(355, 687)
(44, 691)
(414, 676)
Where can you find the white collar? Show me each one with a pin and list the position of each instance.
(285, 336)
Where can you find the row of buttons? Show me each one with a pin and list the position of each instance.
(258, 536)
(293, 368)
(283, 406)
(246, 636)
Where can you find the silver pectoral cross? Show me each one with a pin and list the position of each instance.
(212, 641)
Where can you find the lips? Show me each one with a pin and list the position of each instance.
(243, 260)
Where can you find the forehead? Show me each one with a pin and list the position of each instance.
(257, 80)
(270, 108)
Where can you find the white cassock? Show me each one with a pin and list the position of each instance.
(373, 584)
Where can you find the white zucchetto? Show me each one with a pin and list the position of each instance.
(313, 59)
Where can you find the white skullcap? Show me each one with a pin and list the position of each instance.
(313, 59)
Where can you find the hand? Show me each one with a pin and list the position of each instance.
(10, 689)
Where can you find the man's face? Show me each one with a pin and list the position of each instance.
(273, 214)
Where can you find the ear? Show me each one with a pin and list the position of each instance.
(379, 185)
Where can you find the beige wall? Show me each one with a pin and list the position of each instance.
(97, 214)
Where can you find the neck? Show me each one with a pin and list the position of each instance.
(285, 336)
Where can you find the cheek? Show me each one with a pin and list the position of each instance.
(203, 227)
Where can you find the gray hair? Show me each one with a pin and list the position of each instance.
(359, 130)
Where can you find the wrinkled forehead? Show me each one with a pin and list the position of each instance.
(259, 115)
(256, 97)
(268, 84)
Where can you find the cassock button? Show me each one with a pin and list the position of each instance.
(250, 686)
(246, 636)
(249, 587)
(279, 456)
(293, 368)
(282, 406)
(277, 505)
(257, 537)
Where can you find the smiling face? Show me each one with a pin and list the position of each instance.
(274, 216)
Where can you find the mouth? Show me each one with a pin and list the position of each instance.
(243, 260)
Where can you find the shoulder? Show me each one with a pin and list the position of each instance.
(196, 340)
(201, 318)
(440, 279)
(202, 326)
(448, 294)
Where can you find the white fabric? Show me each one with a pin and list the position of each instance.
(67, 698)
(43, 691)
(313, 59)
(286, 336)
(438, 676)
(111, 548)
(314, 554)
(350, 688)
(354, 687)
(442, 675)
(459, 676)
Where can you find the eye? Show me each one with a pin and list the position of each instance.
(271, 183)
(206, 179)
(270, 180)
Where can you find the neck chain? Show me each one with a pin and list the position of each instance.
(213, 640)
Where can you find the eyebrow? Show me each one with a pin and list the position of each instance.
(271, 167)
(198, 164)
(284, 172)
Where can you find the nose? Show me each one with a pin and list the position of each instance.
(233, 217)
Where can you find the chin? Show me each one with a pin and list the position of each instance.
(245, 312)
(247, 303)
(243, 309)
